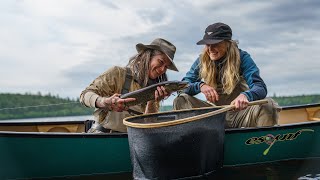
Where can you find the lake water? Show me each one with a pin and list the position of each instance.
(283, 170)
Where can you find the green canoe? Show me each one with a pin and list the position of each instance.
(60, 149)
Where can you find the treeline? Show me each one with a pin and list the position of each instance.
(296, 100)
(15, 106)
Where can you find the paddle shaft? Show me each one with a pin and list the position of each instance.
(189, 119)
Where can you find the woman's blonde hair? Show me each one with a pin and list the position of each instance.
(229, 73)
(140, 65)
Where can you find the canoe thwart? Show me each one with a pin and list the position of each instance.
(312, 112)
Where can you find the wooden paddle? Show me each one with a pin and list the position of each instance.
(189, 119)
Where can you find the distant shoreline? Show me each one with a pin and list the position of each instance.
(24, 106)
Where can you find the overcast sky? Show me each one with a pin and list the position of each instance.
(61, 46)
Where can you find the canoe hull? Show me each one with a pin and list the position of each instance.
(26, 155)
(261, 145)
(52, 154)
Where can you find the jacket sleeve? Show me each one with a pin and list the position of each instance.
(105, 85)
(250, 71)
(193, 77)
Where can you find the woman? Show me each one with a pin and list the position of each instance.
(147, 67)
(227, 75)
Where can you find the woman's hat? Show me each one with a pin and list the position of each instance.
(161, 45)
(216, 33)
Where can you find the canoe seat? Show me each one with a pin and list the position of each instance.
(313, 113)
(88, 124)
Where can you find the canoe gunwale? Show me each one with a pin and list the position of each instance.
(125, 135)
(300, 106)
(32, 123)
(121, 135)
(61, 135)
(276, 127)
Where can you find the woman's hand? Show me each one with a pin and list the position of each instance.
(159, 94)
(114, 103)
(241, 102)
(210, 93)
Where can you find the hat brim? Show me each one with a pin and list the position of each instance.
(209, 41)
(140, 47)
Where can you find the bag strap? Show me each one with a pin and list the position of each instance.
(127, 81)
(126, 87)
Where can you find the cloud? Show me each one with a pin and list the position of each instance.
(60, 47)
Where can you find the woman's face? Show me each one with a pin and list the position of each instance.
(216, 51)
(158, 65)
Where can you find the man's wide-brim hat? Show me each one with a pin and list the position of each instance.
(161, 45)
(216, 33)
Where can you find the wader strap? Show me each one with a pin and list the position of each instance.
(105, 130)
(133, 112)
(127, 82)
(126, 87)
